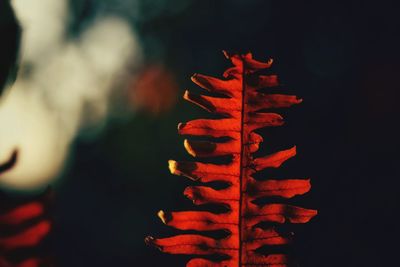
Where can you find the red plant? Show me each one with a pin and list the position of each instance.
(242, 106)
(23, 226)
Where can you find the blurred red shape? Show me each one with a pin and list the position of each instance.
(24, 224)
(154, 91)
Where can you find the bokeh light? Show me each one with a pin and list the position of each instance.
(62, 86)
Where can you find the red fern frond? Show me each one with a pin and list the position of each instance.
(243, 110)
(23, 226)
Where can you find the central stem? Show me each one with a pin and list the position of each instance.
(242, 164)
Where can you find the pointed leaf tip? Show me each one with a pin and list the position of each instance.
(226, 54)
(189, 148)
(172, 166)
(193, 77)
(164, 217)
(186, 95)
(151, 241)
(181, 125)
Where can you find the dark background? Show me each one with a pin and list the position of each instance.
(341, 58)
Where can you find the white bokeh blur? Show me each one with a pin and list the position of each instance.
(62, 85)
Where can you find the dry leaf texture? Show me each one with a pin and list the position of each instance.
(243, 105)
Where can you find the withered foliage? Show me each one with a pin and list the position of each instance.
(244, 106)
(24, 223)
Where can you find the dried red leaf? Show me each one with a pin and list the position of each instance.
(243, 111)
(22, 226)
(22, 213)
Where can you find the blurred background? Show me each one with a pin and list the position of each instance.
(91, 97)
